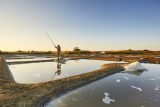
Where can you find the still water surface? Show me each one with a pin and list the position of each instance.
(47, 71)
(134, 89)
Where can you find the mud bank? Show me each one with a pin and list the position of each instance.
(37, 95)
(142, 59)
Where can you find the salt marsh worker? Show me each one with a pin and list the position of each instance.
(58, 50)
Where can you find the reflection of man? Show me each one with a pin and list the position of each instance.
(58, 72)
(58, 51)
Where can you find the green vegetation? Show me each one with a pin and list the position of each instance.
(76, 49)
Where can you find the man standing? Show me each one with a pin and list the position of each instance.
(58, 51)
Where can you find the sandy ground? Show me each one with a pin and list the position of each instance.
(36, 95)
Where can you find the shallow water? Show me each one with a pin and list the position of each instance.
(47, 71)
(133, 89)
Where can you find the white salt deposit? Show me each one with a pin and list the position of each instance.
(157, 57)
(136, 88)
(107, 100)
(74, 99)
(93, 88)
(126, 78)
(32, 59)
(157, 88)
(56, 102)
(152, 79)
(135, 66)
(118, 80)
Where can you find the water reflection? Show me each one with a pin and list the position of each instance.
(61, 60)
(136, 73)
(58, 72)
(27, 73)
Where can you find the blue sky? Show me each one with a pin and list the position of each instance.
(87, 24)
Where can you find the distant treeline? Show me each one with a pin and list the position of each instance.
(78, 52)
(133, 52)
